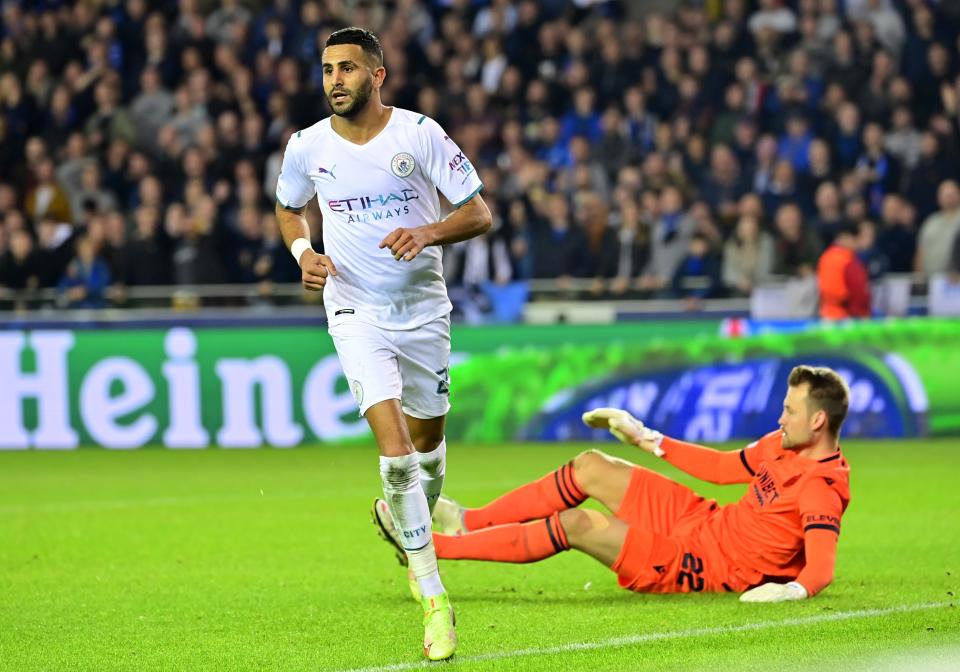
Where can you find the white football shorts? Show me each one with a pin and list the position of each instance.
(411, 365)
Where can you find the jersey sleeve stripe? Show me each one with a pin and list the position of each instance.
(822, 526)
(743, 458)
(420, 120)
(292, 208)
(475, 192)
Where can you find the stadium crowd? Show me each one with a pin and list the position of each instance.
(723, 142)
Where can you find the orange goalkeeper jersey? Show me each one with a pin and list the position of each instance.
(786, 525)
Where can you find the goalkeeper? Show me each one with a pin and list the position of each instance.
(778, 542)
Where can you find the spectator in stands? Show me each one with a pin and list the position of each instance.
(246, 243)
(113, 250)
(558, 244)
(869, 251)
(520, 229)
(723, 129)
(772, 15)
(602, 245)
(633, 247)
(60, 117)
(669, 240)
(152, 108)
(149, 247)
(91, 193)
(87, 278)
(273, 263)
(843, 69)
(614, 150)
(819, 170)
(109, 121)
(886, 21)
(794, 145)
(846, 136)
(829, 216)
(796, 248)
(897, 237)
(47, 198)
(921, 183)
(747, 257)
(56, 243)
(698, 273)
(903, 141)
(842, 279)
(938, 232)
(583, 171)
(20, 265)
(744, 148)
(228, 23)
(723, 186)
(878, 171)
(782, 187)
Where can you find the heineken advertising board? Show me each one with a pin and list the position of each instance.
(250, 387)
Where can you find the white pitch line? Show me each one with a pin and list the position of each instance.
(631, 640)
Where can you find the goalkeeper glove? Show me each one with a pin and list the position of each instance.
(775, 592)
(626, 428)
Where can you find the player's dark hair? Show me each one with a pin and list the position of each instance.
(362, 37)
(827, 392)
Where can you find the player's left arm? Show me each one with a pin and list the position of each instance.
(469, 220)
(820, 512)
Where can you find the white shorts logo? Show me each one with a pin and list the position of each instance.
(403, 164)
(357, 390)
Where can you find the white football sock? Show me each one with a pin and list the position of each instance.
(408, 506)
(433, 465)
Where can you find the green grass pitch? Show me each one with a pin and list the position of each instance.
(266, 560)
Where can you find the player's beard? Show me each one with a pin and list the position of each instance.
(790, 441)
(360, 99)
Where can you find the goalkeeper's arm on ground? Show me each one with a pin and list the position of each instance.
(820, 548)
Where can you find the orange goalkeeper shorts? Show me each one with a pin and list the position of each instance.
(660, 553)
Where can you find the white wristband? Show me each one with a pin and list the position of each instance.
(299, 246)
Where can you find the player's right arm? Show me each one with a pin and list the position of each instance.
(293, 227)
(820, 511)
(294, 191)
(707, 464)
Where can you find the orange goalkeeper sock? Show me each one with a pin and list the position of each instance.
(556, 491)
(514, 542)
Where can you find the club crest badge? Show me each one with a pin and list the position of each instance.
(403, 164)
(357, 390)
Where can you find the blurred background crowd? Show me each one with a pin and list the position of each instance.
(692, 151)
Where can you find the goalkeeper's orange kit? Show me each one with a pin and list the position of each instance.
(785, 527)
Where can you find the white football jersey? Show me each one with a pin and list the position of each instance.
(367, 191)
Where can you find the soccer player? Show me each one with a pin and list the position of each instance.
(778, 542)
(376, 171)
